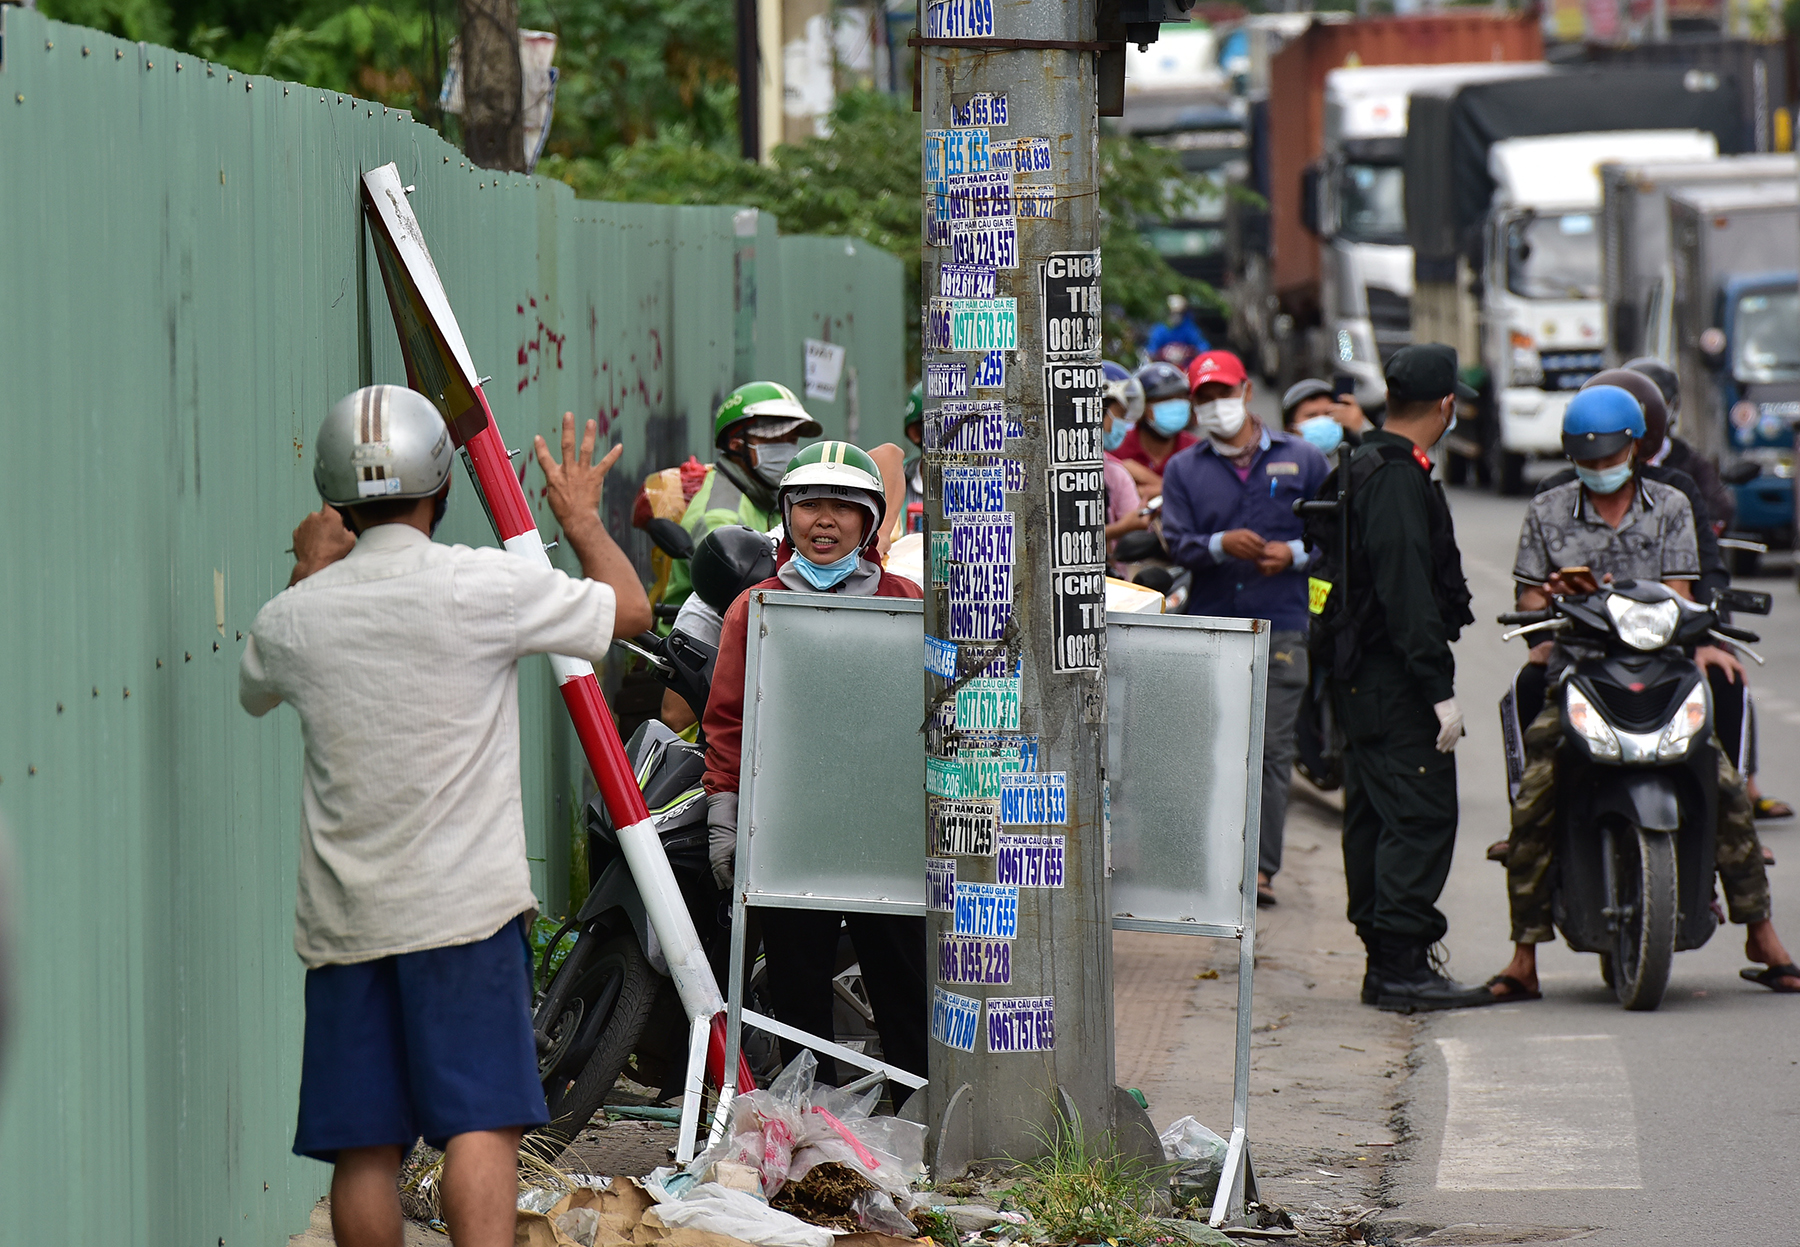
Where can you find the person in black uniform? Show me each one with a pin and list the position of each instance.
(1393, 686)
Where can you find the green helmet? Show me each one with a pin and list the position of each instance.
(763, 400)
(836, 469)
(915, 406)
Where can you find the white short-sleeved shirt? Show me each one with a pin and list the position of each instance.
(402, 661)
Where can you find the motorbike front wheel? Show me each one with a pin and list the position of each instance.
(603, 1013)
(1643, 915)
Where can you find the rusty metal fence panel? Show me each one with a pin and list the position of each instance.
(184, 289)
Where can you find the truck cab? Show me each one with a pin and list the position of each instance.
(1543, 321)
(1757, 375)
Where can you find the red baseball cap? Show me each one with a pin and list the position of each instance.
(1218, 366)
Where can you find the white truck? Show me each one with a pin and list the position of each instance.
(1543, 321)
(1359, 210)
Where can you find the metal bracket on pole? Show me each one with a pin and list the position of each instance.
(693, 1088)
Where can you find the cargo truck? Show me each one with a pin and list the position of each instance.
(1357, 196)
(1635, 279)
(1502, 198)
(1278, 308)
(1737, 336)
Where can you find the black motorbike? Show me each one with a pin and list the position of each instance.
(1637, 780)
(611, 1008)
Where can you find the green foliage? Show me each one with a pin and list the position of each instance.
(1083, 1193)
(542, 929)
(863, 180)
(146, 20)
(636, 69)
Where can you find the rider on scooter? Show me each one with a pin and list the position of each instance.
(833, 509)
(1612, 522)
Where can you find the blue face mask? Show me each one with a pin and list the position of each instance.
(1114, 437)
(824, 576)
(1605, 480)
(1323, 433)
(1170, 416)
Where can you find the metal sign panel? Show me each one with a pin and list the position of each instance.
(1184, 710)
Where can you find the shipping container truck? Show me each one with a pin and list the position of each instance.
(1635, 280)
(1356, 194)
(1502, 195)
(1735, 250)
(1275, 269)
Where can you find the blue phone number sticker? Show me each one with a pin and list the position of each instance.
(1030, 861)
(1021, 1024)
(974, 961)
(1035, 800)
(955, 1020)
(990, 910)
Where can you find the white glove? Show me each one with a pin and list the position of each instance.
(1450, 724)
(721, 836)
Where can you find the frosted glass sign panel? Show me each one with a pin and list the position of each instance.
(833, 780)
(1184, 704)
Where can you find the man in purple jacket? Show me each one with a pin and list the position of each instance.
(1228, 516)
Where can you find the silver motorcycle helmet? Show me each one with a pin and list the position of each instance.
(382, 442)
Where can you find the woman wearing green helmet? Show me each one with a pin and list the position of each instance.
(833, 508)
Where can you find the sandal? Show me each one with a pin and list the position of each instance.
(1265, 894)
(1771, 977)
(1497, 851)
(1515, 990)
(1768, 855)
(1773, 807)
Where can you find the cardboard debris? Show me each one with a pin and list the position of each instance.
(625, 1218)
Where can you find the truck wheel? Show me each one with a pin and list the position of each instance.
(1512, 474)
(1644, 909)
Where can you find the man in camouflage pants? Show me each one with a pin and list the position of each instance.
(1613, 523)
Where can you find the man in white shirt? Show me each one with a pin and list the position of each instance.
(401, 657)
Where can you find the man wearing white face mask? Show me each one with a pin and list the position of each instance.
(1228, 515)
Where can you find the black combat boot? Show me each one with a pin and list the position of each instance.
(1406, 983)
(1371, 984)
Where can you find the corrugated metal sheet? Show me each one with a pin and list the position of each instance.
(184, 289)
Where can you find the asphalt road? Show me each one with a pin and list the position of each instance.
(1680, 1126)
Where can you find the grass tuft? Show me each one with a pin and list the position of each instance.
(1083, 1192)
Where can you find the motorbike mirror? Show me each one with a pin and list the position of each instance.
(1157, 578)
(1741, 473)
(1747, 601)
(1137, 546)
(671, 538)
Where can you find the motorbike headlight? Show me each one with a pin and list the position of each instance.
(1685, 726)
(1601, 740)
(1643, 625)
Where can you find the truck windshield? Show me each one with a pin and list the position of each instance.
(1767, 329)
(1553, 257)
(1374, 203)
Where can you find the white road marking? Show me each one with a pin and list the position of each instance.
(1546, 1113)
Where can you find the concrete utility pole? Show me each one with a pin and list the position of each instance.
(1020, 938)
(493, 84)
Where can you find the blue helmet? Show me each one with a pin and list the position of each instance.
(1600, 421)
(1114, 372)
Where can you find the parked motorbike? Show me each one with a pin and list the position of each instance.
(611, 1008)
(1637, 783)
(1146, 557)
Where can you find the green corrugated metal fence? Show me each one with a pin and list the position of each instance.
(184, 289)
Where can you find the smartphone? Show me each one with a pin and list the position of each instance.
(1343, 386)
(1580, 579)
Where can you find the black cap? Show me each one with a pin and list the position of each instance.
(1422, 373)
(1300, 391)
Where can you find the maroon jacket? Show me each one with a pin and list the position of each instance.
(724, 718)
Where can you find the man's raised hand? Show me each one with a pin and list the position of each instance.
(575, 483)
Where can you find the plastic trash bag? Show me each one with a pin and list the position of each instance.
(580, 1224)
(874, 1210)
(720, 1210)
(784, 1132)
(1199, 1157)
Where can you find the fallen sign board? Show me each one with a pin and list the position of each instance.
(1184, 711)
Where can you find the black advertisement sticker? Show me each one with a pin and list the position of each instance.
(1069, 282)
(1077, 516)
(1075, 411)
(1080, 614)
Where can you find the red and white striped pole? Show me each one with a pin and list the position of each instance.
(438, 365)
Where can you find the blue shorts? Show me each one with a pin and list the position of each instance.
(433, 1044)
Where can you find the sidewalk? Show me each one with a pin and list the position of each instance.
(1327, 1072)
